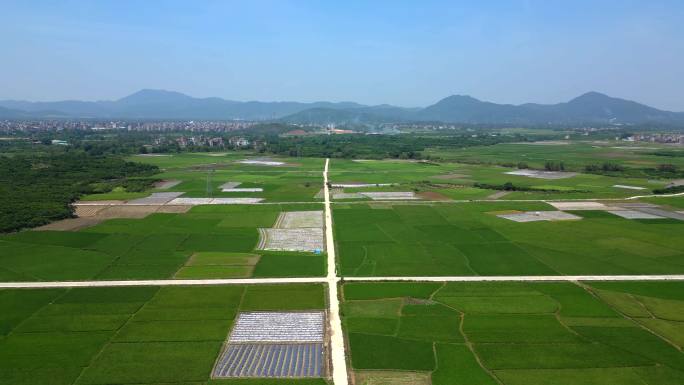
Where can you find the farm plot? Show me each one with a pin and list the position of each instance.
(206, 242)
(232, 187)
(299, 219)
(542, 174)
(516, 333)
(274, 344)
(303, 239)
(203, 176)
(633, 214)
(141, 335)
(470, 239)
(294, 231)
(166, 184)
(157, 198)
(533, 216)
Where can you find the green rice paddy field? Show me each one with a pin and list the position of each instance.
(385, 239)
(202, 174)
(207, 242)
(456, 180)
(575, 154)
(126, 335)
(517, 333)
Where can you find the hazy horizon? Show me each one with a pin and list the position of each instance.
(398, 53)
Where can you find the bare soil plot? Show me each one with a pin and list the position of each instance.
(215, 201)
(299, 219)
(170, 209)
(233, 187)
(498, 194)
(391, 195)
(84, 211)
(361, 185)
(127, 211)
(542, 174)
(661, 212)
(304, 239)
(166, 184)
(578, 205)
(70, 224)
(262, 162)
(386, 377)
(623, 186)
(633, 214)
(158, 198)
(343, 195)
(533, 216)
(432, 196)
(229, 185)
(634, 205)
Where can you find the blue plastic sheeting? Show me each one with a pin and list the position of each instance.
(271, 360)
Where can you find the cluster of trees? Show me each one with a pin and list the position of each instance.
(669, 190)
(605, 167)
(554, 166)
(37, 188)
(404, 146)
(509, 186)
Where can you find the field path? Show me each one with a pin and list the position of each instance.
(337, 353)
(275, 281)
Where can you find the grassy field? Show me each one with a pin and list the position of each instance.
(206, 242)
(202, 174)
(575, 154)
(142, 335)
(469, 239)
(518, 333)
(457, 180)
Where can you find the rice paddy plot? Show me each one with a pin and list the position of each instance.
(578, 340)
(477, 238)
(390, 195)
(141, 335)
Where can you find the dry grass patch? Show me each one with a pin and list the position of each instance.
(383, 377)
(69, 224)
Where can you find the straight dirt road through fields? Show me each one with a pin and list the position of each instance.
(337, 353)
(275, 281)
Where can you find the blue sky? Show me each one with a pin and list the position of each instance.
(409, 53)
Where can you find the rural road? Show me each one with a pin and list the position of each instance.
(331, 281)
(338, 356)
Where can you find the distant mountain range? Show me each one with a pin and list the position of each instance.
(591, 107)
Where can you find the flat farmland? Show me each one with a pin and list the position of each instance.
(201, 175)
(515, 333)
(206, 242)
(404, 239)
(142, 335)
(444, 181)
(575, 154)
